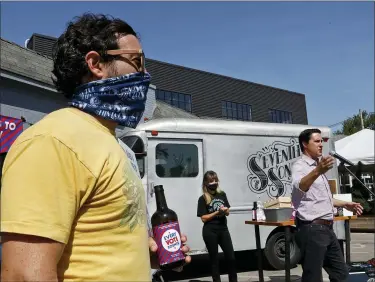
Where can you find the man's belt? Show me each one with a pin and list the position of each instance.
(315, 221)
(323, 222)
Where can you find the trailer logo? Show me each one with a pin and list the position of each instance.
(270, 168)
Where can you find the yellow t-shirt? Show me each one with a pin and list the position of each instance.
(66, 178)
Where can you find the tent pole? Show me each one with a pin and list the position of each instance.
(361, 117)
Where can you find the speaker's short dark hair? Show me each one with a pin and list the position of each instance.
(305, 136)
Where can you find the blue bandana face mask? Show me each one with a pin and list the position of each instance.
(120, 99)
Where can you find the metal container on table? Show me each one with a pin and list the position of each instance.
(278, 214)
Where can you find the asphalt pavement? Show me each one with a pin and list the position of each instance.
(362, 249)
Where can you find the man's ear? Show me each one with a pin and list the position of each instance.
(304, 145)
(95, 65)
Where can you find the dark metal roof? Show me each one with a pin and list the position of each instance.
(151, 63)
(209, 90)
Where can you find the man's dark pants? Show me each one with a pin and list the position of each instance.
(320, 249)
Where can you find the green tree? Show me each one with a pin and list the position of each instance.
(353, 124)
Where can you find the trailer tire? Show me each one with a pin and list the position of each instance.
(275, 251)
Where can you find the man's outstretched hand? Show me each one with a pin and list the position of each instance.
(154, 247)
(354, 207)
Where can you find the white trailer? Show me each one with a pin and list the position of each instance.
(253, 161)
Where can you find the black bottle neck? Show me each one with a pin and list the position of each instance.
(161, 202)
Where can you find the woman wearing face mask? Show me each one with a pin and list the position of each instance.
(213, 208)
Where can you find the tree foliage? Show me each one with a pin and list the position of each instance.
(353, 124)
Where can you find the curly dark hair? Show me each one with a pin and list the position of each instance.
(89, 32)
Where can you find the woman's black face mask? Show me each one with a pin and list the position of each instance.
(212, 187)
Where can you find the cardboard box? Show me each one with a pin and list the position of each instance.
(281, 202)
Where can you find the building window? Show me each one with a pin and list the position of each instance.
(278, 116)
(232, 110)
(179, 100)
(176, 160)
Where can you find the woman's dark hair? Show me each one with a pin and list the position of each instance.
(86, 33)
(305, 136)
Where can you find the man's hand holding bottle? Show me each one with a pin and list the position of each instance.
(154, 247)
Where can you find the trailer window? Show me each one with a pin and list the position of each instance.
(136, 144)
(176, 160)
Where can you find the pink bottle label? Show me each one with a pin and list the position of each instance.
(168, 239)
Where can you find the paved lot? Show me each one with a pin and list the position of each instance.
(362, 246)
(362, 249)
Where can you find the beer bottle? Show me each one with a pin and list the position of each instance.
(254, 209)
(166, 231)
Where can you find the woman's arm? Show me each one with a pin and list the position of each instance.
(226, 211)
(202, 211)
(210, 216)
(227, 205)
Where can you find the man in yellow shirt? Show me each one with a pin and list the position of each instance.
(72, 206)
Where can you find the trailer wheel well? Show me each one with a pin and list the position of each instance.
(280, 229)
(275, 249)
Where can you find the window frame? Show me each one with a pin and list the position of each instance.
(179, 100)
(140, 156)
(280, 116)
(231, 110)
(196, 157)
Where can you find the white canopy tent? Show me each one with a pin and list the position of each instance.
(358, 147)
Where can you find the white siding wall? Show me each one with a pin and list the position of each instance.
(33, 103)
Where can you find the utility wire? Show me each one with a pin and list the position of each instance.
(341, 122)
